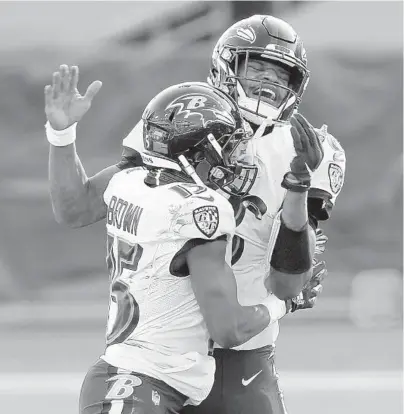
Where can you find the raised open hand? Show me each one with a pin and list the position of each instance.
(64, 105)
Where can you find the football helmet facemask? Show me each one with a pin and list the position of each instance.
(263, 38)
(197, 129)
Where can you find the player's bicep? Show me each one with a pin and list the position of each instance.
(179, 265)
(213, 284)
(206, 263)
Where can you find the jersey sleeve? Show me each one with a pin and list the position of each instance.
(110, 188)
(201, 219)
(328, 179)
(204, 217)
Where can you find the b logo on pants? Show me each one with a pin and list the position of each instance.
(123, 387)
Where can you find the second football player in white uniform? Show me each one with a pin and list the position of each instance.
(262, 63)
(272, 55)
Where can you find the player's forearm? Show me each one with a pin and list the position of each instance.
(294, 210)
(288, 284)
(213, 282)
(67, 182)
(294, 248)
(245, 323)
(229, 323)
(251, 320)
(77, 201)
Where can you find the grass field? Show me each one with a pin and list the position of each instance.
(63, 398)
(325, 368)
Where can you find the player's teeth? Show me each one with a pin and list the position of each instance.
(270, 93)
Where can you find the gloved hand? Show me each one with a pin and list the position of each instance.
(308, 296)
(309, 154)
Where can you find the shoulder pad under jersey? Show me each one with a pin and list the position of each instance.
(203, 214)
(119, 180)
(328, 179)
(134, 139)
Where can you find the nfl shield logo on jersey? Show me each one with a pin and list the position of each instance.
(336, 177)
(206, 219)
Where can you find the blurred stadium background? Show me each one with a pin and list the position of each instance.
(343, 356)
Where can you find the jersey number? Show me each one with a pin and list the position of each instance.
(122, 303)
(254, 204)
(187, 190)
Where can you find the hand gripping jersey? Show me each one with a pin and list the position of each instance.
(255, 231)
(154, 325)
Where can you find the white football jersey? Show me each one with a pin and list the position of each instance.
(155, 326)
(272, 154)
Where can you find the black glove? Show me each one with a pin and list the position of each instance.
(309, 154)
(308, 296)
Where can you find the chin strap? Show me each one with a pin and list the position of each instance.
(190, 170)
(259, 132)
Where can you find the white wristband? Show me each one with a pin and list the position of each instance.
(276, 307)
(61, 138)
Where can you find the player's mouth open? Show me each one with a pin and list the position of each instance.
(268, 95)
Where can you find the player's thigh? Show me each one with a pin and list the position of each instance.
(110, 390)
(252, 385)
(264, 396)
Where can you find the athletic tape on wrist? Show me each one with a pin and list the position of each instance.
(61, 138)
(276, 307)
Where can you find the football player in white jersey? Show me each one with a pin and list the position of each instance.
(169, 239)
(168, 234)
(262, 63)
(76, 202)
